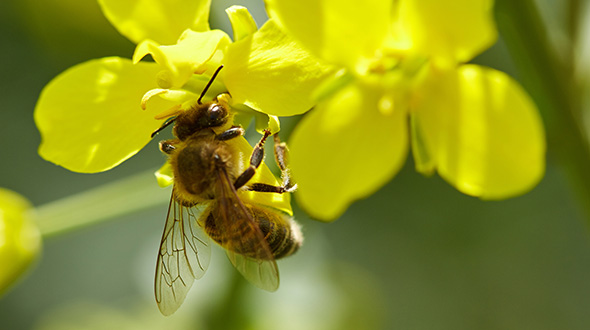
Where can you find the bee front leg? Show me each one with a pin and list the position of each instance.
(255, 161)
(168, 146)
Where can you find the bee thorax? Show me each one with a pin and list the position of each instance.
(197, 166)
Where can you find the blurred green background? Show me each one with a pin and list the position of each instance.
(416, 255)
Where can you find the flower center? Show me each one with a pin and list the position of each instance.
(396, 72)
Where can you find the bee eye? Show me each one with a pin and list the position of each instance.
(216, 113)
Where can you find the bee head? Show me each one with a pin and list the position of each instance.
(202, 116)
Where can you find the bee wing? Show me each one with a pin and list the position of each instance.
(262, 273)
(240, 233)
(183, 257)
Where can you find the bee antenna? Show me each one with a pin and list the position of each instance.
(209, 83)
(166, 124)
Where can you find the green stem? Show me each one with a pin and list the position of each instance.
(573, 27)
(112, 200)
(572, 30)
(552, 85)
(232, 313)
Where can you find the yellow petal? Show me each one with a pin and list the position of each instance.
(448, 31)
(185, 58)
(267, 122)
(341, 32)
(165, 175)
(242, 22)
(275, 77)
(162, 21)
(90, 116)
(20, 241)
(481, 131)
(345, 150)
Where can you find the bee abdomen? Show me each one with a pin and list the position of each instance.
(282, 234)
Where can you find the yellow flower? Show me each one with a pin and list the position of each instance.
(91, 118)
(20, 241)
(403, 61)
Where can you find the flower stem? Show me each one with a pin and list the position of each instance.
(109, 201)
(574, 11)
(553, 87)
(232, 304)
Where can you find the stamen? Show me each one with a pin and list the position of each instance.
(386, 105)
(151, 93)
(200, 70)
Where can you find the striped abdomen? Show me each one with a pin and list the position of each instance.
(238, 234)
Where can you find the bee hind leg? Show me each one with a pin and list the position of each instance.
(281, 156)
(263, 187)
(281, 153)
(255, 161)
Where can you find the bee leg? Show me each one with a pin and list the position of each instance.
(281, 153)
(281, 156)
(232, 133)
(167, 146)
(255, 161)
(263, 187)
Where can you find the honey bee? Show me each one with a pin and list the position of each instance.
(206, 203)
